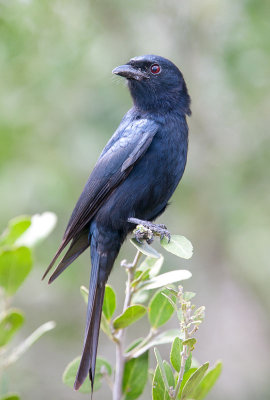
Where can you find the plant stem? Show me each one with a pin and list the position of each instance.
(119, 370)
(184, 357)
(119, 338)
(152, 333)
(186, 310)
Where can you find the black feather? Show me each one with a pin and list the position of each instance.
(135, 176)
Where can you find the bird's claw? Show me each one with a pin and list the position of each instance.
(165, 233)
(142, 233)
(146, 230)
(162, 231)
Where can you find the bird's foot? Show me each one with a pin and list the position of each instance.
(146, 230)
(142, 233)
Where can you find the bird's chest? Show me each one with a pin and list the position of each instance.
(166, 158)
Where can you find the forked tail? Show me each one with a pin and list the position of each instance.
(102, 262)
(94, 309)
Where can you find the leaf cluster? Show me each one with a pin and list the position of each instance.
(16, 261)
(152, 293)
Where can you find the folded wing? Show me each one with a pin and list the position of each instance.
(126, 147)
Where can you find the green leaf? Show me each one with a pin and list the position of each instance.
(162, 369)
(129, 316)
(208, 382)
(186, 377)
(109, 303)
(15, 265)
(18, 351)
(170, 300)
(102, 367)
(188, 362)
(10, 396)
(178, 245)
(160, 310)
(169, 374)
(175, 356)
(105, 326)
(135, 377)
(159, 391)
(162, 338)
(145, 248)
(84, 292)
(193, 382)
(70, 373)
(134, 344)
(109, 296)
(173, 292)
(139, 277)
(41, 226)
(10, 322)
(152, 264)
(16, 227)
(166, 279)
(190, 343)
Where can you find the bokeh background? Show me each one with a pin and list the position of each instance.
(59, 105)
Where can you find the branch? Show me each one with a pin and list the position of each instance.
(119, 338)
(186, 322)
(133, 353)
(184, 357)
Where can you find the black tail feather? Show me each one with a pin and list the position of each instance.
(77, 247)
(59, 251)
(95, 302)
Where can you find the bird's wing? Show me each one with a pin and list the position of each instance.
(115, 163)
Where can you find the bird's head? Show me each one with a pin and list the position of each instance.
(155, 84)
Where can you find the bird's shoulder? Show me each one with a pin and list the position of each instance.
(134, 128)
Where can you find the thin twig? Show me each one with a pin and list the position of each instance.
(187, 318)
(119, 338)
(184, 357)
(133, 353)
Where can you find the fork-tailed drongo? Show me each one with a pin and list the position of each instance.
(135, 176)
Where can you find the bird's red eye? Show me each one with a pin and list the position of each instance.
(155, 69)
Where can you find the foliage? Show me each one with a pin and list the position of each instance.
(181, 381)
(178, 379)
(16, 261)
(58, 101)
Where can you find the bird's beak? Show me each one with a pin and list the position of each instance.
(129, 72)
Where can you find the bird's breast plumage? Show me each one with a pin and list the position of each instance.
(153, 179)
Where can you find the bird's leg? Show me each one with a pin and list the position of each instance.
(146, 230)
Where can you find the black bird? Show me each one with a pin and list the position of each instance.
(135, 176)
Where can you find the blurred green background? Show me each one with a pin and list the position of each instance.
(60, 104)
